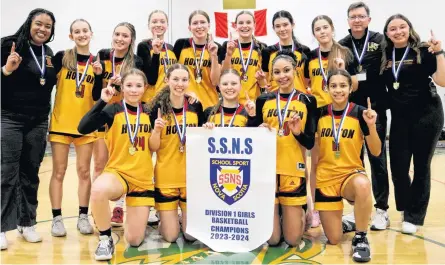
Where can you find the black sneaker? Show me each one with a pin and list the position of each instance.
(361, 252)
(348, 223)
(105, 248)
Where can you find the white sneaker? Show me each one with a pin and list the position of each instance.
(315, 219)
(3, 241)
(83, 225)
(29, 233)
(380, 220)
(58, 228)
(105, 248)
(408, 228)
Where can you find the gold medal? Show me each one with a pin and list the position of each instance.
(245, 78)
(78, 94)
(42, 81)
(337, 154)
(181, 148)
(280, 132)
(396, 85)
(360, 68)
(132, 150)
(198, 79)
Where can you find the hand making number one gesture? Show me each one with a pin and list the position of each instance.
(13, 61)
(369, 115)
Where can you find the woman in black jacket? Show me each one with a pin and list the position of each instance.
(27, 80)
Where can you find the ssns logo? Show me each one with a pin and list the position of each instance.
(230, 178)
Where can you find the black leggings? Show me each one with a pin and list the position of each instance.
(414, 134)
(23, 142)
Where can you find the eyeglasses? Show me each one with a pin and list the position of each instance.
(361, 17)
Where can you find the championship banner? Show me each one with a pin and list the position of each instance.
(231, 179)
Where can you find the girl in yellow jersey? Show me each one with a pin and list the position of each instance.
(244, 55)
(328, 56)
(342, 128)
(129, 169)
(158, 25)
(229, 112)
(292, 114)
(171, 114)
(76, 73)
(200, 55)
(119, 59)
(283, 24)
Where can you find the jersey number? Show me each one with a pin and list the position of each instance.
(140, 143)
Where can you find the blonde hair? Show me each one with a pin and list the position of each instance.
(69, 59)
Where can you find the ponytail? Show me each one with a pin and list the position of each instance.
(69, 60)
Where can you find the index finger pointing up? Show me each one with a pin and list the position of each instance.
(159, 113)
(13, 48)
(432, 34)
(369, 103)
(98, 58)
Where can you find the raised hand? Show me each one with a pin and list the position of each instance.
(231, 46)
(294, 122)
(13, 61)
(339, 63)
(97, 66)
(209, 125)
(159, 122)
(250, 106)
(108, 92)
(369, 115)
(156, 43)
(434, 45)
(213, 48)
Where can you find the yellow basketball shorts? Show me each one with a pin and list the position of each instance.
(291, 191)
(68, 139)
(169, 198)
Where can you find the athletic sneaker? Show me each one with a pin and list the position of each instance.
(105, 248)
(361, 252)
(29, 233)
(83, 225)
(58, 228)
(380, 220)
(3, 241)
(315, 219)
(348, 223)
(408, 228)
(118, 216)
(153, 218)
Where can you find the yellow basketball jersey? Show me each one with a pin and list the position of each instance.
(69, 106)
(300, 52)
(166, 59)
(136, 168)
(106, 55)
(290, 156)
(313, 72)
(236, 117)
(251, 85)
(170, 162)
(332, 170)
(205, 91)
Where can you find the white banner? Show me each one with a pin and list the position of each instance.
(231, 179)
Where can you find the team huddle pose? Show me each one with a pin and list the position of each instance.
(119, 108)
